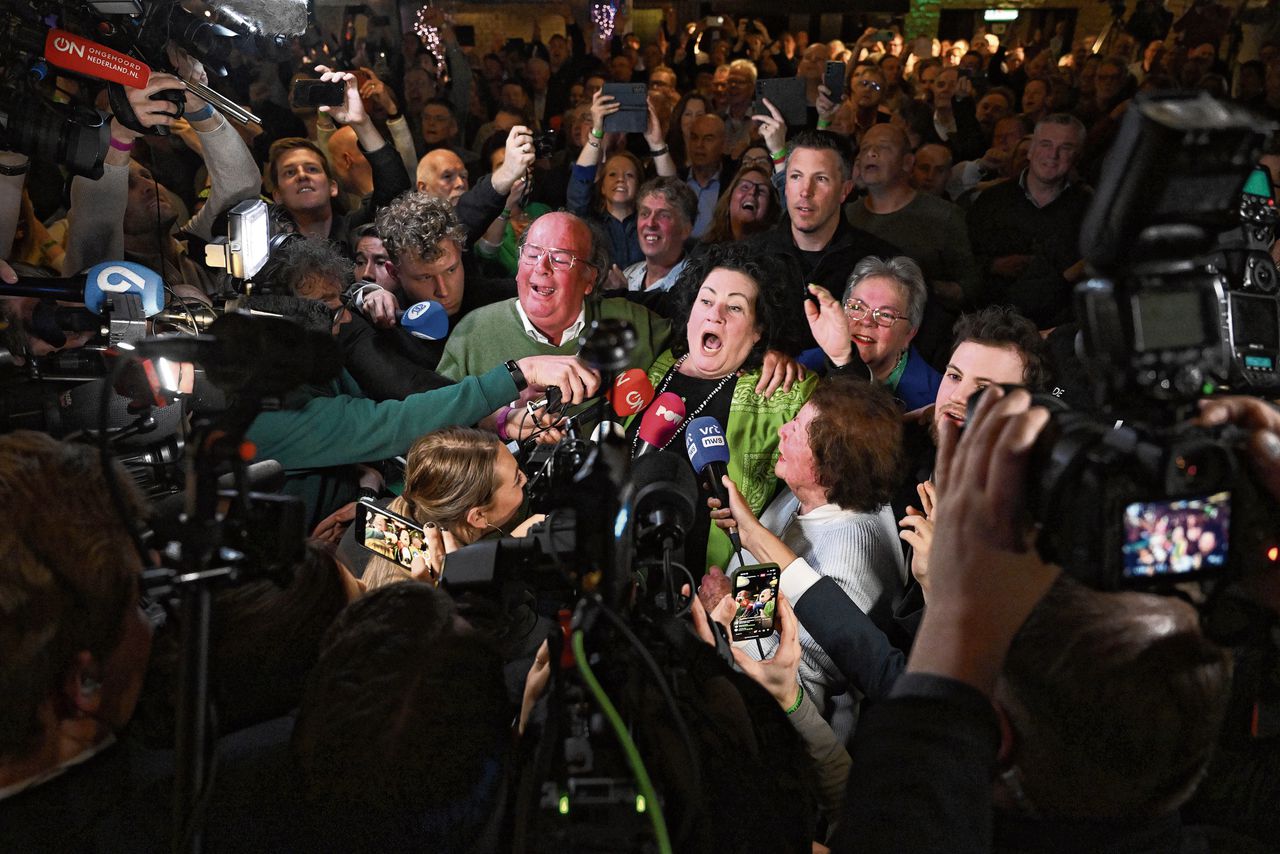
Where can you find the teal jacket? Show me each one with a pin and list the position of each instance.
(323, 432)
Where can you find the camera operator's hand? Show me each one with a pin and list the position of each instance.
(829, 326)
(519, 157)
(546, 426)
(189, 68)
(150, 113)
(773, 129)
(722, 612)
(991, 577)
(1259, 417)
(575, 380)
(6, 273)
(714, 587)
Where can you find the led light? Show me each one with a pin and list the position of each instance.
(563, 806)
(1000, 15)
(641, 806)
(1273, 554)
(603, 16)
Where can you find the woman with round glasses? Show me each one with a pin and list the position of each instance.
(884, 304)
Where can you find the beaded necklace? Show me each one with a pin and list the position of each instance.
(662, 387)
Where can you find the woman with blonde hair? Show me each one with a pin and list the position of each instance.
(460, 484)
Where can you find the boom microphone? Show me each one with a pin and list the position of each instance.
(95, 286)
(709, 454)
(631, 393)
(427, 320)
(660, 423)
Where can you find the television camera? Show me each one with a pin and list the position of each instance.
(1183, 303)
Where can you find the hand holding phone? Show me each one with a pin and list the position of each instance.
(755, 596)
(317, 93)
(400, 540)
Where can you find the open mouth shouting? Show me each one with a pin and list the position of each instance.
(711, 343)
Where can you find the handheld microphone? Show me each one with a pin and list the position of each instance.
(709, 454)
(630, 393)
(427, 320)
(660, 423)
(95, 286)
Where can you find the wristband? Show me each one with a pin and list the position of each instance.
(201, 114)
(823, 124)
(517, 375)
(658, 152)
(593, 143)
(599, 135)
(502, 423)
(121, 146)
(370, 493)
(14, 171)
(799, 699)
(780, 154)
(506, 213)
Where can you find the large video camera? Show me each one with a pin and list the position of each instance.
(119, 42)
(1181, 305)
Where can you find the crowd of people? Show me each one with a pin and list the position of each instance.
(831, 292)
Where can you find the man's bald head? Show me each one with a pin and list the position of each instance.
(350, 166)
(885, 160)
(442, 173)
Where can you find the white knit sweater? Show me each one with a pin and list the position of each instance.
(859, 551)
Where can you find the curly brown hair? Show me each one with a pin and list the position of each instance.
(417, 222)
(856, 439)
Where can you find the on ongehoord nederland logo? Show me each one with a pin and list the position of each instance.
(85, 56)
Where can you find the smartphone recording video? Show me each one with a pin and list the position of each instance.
(317, 93)
(390, 535)
(755, 593)
(1183, 537)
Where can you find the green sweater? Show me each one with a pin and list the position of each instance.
(489, 336)
(326, 431)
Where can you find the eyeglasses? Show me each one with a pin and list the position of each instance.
(561, 259)
(857, 309)
(869, 84)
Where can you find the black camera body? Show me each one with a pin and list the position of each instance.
(1140, 505)
(1132, 494)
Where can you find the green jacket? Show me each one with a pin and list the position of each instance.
(324, 431)
(752, 435)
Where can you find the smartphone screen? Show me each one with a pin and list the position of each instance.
(755, 593)
(390, 535)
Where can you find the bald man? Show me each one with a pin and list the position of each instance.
(350, 167)
(930, 230)
(710, 171)
(441, 173)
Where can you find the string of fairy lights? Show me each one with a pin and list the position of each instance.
(603, 15)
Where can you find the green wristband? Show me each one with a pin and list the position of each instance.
(799, 699)
(599, 135)
(823, 124)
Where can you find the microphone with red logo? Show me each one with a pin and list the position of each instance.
(631, 393)
(660, 423)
